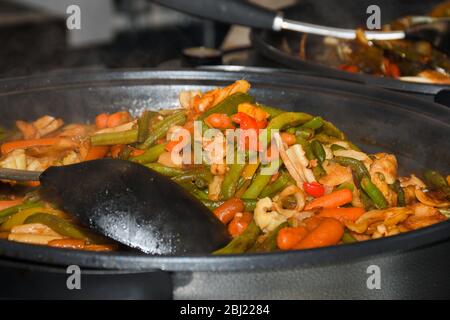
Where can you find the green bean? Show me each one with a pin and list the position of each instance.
(260, 182)
(348, 238)
(346, 185)
(193, 175)
(150, 155)
(436, 181)
(304, 133)
(279, 184)
(367, 202)
(319, 171)
(165, 171)
(306, 147)
(374, 193)
(5, 213)
(325, 139)
(315, 123)
(243, 242)
(273, 112)
(229, 184)
(160, 129)
(143, 126)
(111, 138)
(269, 244)
(64, 228)
(318, 150)
(331, 130)
(401, 202)
(229, 105)
(286, 119)
(358, 168)
(335, 147)
(248, 204)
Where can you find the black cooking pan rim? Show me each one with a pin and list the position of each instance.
(399, 244)
(267, 49)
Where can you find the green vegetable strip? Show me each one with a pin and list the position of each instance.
(270, 242)
(161, 128)
(374, 193)
(279, 184)
(64, 228)
(335, 147)
(211, 204)
(286, 119)
(346, 185)
(150, 155)
(14, 209)
(143, 126)
(315, 123)
(259, 183)
(193, 175)
(318, 150)
(436, 181)
(318, 170)
(357, 166)
(331, 130)
(401, 201)
(111, 138)
(229, 184)
(243, 242)
(165, 171)
(229, 105)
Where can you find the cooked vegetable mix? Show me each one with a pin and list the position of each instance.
(407, 60)
(308, 187)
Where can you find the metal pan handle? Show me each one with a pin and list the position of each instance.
(229, 11)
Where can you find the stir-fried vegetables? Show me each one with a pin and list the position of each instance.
(407, 60)
(308, 186)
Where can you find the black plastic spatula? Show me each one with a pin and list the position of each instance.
(133, 205)
(244, 13)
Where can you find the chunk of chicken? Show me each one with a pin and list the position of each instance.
(336, 174)
(39, 128)
(386, 165)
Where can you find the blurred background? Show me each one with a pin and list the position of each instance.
(114, 34)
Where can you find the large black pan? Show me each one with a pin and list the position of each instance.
(414, 265)
(283, 47)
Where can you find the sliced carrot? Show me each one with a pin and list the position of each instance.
(4, 204)
(226, 211)
(333, 200)
(22, 144)
(118, 118)
(96, 152)
(67, 243)
(172, 144)
(239, 223)
(342, 214)
(288, 237)
(116, 149)
(100, 247)
(101, 121)
(328, 233)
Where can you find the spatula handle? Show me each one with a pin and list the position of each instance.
(19, 175)
(238, 12)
